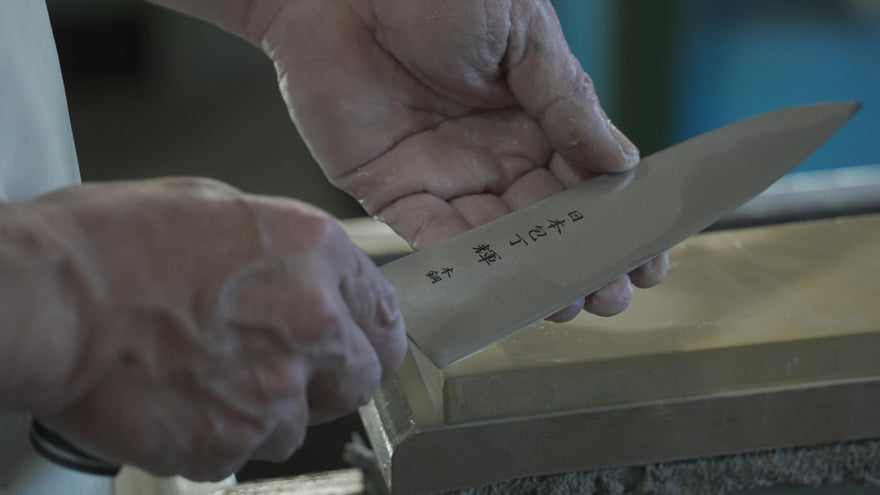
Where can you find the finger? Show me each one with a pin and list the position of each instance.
(281, 393)
(342, 366)
(532, 187)
(567, 174)
(482, 152)
(549, 83)
(477, 209)
(240, 409)
(364, 332)
(373, 306)
(568, 313)
(424, 219)
(651, 273)
(347, 372)
(438, 220)
(611, 299)
(287, 437)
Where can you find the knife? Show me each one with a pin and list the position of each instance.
(467, 293)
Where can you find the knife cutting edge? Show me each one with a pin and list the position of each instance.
(469, 292)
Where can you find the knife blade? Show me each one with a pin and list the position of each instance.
(467, 293)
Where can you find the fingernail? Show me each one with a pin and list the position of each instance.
(629, 150)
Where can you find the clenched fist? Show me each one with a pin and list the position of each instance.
(185, 327)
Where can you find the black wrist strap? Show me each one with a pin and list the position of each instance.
(58, 450)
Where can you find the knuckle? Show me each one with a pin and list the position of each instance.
(325, 316)
(388, 305)
(330, 235)
(313, 222)
(309, 231)
(312, 316)
(588, 87)
(280, 380)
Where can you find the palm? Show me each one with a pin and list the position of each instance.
(456, 174)
(442, 117)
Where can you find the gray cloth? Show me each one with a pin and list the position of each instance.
(857, 462)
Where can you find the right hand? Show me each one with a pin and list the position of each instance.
(441, 116)
(213, 326)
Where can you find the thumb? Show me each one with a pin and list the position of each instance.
(550, 84)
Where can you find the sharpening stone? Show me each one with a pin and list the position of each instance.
(758, 339)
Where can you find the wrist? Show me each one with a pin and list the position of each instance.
(47, 343)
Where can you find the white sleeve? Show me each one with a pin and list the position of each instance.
(37, 153)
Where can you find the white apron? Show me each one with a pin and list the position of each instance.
(36, 156)
(36, 143)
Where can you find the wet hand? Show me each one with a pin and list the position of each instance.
(215, 325)
(440, 116)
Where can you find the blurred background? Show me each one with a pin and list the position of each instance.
(152, 93)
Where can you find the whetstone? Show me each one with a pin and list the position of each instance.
(738, 310)
(758, 338)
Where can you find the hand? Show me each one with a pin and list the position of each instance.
(440, 116)
(219, 325)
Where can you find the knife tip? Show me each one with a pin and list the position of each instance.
(855, 106)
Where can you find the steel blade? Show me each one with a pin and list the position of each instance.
(467, 293)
